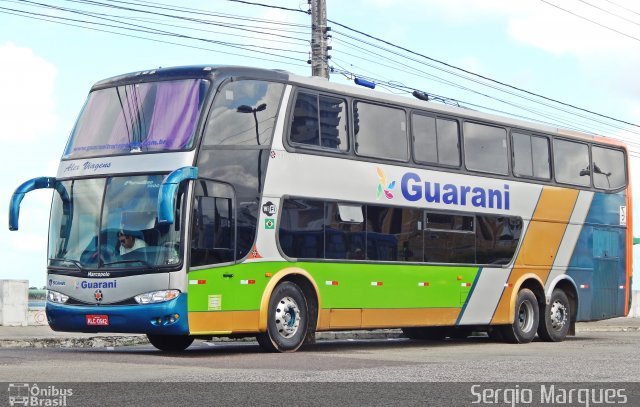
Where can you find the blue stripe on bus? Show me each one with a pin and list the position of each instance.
(466, 301)
(141, 319)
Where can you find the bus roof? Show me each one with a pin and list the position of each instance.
(222, 71)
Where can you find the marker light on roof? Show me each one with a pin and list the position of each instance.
(365, 83)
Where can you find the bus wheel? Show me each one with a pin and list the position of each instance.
(170, 343)
(432, 333)
(556, 318)
(286, 319)
(525, 323)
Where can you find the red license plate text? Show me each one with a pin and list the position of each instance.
(97, 319)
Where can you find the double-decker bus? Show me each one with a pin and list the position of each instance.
(226, 201)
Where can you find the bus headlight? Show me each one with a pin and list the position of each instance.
(57, 297)
(156, 296)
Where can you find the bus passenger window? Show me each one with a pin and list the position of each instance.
(320, 121)
(530, 156)
(449, 239)
(344, 231)
(571, 162)
(497, 238)
(302, 229)
(485, 148)
(435, 141)
(608, 168)
(393, 234)
(380, 131)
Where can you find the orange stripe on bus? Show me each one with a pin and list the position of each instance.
(540, 246)
(629, 250)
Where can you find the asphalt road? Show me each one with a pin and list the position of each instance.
(589, 357)
(345, 372)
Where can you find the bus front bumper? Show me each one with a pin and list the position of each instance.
(165, 318)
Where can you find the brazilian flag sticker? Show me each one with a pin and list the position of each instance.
(269, 223)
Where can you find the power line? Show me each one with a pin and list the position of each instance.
(139, 28)
(270, 6)
(48, 18)
(484, 77)
(609, 12)
(455, 67)
(622, 7)
(248, 47)
(422, 74)
(457, 102)
(593, 22)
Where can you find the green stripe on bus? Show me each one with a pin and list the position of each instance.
(341, 285)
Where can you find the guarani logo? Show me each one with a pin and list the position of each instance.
(383, 186)
(415, 189)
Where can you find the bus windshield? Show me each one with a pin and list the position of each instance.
(140, 117)
(112, 223)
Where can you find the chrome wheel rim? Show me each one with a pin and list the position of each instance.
(558, 315)
(287, 317)
(525, 316)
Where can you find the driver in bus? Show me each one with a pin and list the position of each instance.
(129, 242)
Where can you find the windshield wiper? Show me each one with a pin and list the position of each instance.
(74, 262)
(143, 262)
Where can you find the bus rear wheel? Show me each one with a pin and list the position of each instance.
(526, 321)
(556, 318)
(286, 319)
(170, 343)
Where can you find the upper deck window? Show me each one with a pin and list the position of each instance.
(571, 162)
(530, 156)
(244, 114)
(485, 148)
(320, 121)
(380, 131)
(435, 141)
(141, 117)
(608, 168)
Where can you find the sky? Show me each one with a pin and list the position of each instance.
(47, 69)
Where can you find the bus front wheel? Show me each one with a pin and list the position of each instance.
(526, 320)
(286, 319)
(170, 343)
(556, 318)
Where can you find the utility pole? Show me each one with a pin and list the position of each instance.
(319, 49)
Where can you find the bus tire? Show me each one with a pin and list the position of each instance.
(286, 319)
(555, 318)
(170, 343)
(525, 322)
(430, 333)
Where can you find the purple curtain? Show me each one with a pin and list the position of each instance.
(108, 121)
(175, 114)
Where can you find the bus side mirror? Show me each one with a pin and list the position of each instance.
(21, 191)
(168, 191)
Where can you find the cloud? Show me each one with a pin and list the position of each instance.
(27, 106)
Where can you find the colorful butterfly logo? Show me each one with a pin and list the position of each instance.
(383, 186)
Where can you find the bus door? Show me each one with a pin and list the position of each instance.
(213, 229)
(606, 266)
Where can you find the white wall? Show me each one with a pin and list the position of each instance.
(14, 300)
(635, 304)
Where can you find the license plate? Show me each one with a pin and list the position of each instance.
(97, 320)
